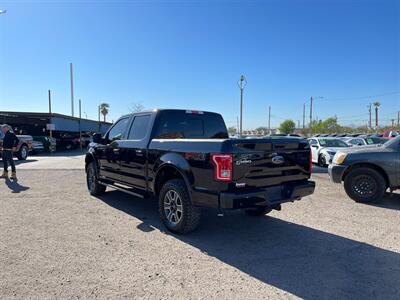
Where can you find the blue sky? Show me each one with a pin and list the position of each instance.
(190, 54)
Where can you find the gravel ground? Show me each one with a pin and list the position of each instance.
(59, 242)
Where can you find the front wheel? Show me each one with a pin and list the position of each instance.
(322, 161)
(22, 153)
(176, 209)
(365, 185)
(93, 185)
(258, 211)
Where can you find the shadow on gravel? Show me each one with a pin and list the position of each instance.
(319, 170)
(70, 153)
(306, 262)
(19, 162)
(15, 187)
(389, 201)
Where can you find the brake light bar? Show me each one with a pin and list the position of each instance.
(223, 166)
(195, 112)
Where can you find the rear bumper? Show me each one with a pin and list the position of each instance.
(271, 196)
(336, 172)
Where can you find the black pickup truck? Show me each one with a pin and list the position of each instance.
(186, 159)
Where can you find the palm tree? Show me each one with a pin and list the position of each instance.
(104, 109)
(376, 104)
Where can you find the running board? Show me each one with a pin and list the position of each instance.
(121, 189)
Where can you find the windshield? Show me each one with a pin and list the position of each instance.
(375, 140)
(332, 143)
(393, 142)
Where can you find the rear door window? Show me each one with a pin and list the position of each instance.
(139, 128)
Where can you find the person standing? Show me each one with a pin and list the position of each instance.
(10, 143)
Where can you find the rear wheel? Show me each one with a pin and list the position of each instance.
(94, 187)
(365, 185)
(176, 209)
(22, 153)
(258, 211)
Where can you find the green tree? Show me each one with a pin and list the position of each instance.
(104, 109)
(287, 126)
(232, 130)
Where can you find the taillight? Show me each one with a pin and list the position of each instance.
(310, 167)
(223, 166)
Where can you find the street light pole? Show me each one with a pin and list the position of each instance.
(241, 83)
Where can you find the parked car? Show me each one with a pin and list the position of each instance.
(323, 149)
(49, 143)
(67, 141)
(367, 172)
(85, 139)
(23, 148)
(365, 140)
(187, 160)
(390, 134)
(37, 147)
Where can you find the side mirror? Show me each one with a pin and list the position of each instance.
(359, 144)
(98, 138)
(314, 146)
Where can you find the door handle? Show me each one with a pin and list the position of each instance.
(139, 151)
(115, 150)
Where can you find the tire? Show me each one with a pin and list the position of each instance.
(365, 185)
(94, 187)
(176, 209)
(23, 153)
(322, 160)
(258, 211)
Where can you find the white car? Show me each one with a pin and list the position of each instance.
(323, 149)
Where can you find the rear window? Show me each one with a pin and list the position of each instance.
(182, 124)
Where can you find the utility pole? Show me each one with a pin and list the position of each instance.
(237, 124)
(398, 119)
(98, 109)
(311, 104)
(298, 123)
(392, 123)
(304, 115)
(51, 131)
(72, 88)
(49, 102)
(269, 119)
(370, 115)
(241, 83)
(311, 110)
(80, 118)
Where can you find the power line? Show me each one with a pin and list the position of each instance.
(363, 97)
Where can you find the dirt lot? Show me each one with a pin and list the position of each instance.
(56, 241)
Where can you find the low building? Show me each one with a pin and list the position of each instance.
(36, 123)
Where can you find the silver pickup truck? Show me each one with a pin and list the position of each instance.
(367, 172)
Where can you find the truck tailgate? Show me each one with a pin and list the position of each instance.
(270, 161)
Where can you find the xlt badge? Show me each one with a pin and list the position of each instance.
(243, 161)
